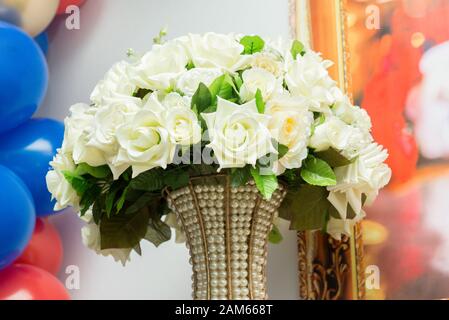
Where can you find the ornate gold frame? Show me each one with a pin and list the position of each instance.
(328, 269)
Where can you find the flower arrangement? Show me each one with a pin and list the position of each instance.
(254, 109)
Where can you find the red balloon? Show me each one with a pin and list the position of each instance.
(64, 3)
(25, 282)
(44, 249)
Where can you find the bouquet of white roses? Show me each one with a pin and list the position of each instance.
(254, 109)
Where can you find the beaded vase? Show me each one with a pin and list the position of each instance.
(227, 235)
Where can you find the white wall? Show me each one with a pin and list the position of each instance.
(78, 59)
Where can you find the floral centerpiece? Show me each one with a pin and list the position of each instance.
(213, 135)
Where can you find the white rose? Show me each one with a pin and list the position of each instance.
(349, 113)
(189, 81)
(180, 121)
(84, 153)
(332, 133)
(115, 82)
(158, 68)
(174, 99)
(337, 134)
(307, 77)
(257, 78)
(144, 141)
(268, 62)
(81, 118)
(290, 124)
(365, 175)
(58, 186)
(91, 238)
(78, 127)
(106, 121)
(238, 133)
(213, 50)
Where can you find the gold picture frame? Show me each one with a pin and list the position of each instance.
(328, 269)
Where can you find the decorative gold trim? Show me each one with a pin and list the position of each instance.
(328, 269)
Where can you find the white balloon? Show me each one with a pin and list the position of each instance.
(35, 15)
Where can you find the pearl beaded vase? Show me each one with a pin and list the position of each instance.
(227, 235)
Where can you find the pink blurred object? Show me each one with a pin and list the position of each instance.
(25, 282)
(63, 4)
(45, 248)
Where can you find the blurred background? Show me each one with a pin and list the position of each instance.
(53, 52)
(399, 74)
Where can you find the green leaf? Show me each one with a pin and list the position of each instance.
(138, 249)
(333, 158)
(110, 197)
(96, 172)
(141, 93)
(238, 81)
(150, 180)
(202, 98)
(176, 179)
(317, 172)
(97, 210)
(240, 176)
(140, 203)
(266, 184)
(297, 48)
(275, 236)
(190, 65)
(223, 87)
(259, 102)
(157, 232)
(292, 178)
(121, 200)
(89, 197)
(282, 150)
(307, 208)
(124, 231)
(252, 44)
(78, 183)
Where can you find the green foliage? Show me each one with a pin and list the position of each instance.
(124, 231)
(317, 172)
(157, 232)
(252, 44)
(333, 158)
(223, 87)
(282, 150)
(190, 65)
(275, 236)
(78, 183)
(266, 184)
(307, 208)
(240, 176)
(96, 172)
(202, 99)
(259, 102)
(176, 178)
(150, 180)
(141, 93)
(297, 48)
(159, 39)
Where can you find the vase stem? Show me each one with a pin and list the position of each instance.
(227, 235)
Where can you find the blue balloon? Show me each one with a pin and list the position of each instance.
(27, 150)
(42, 40)
(17, 217)
(23, 76)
